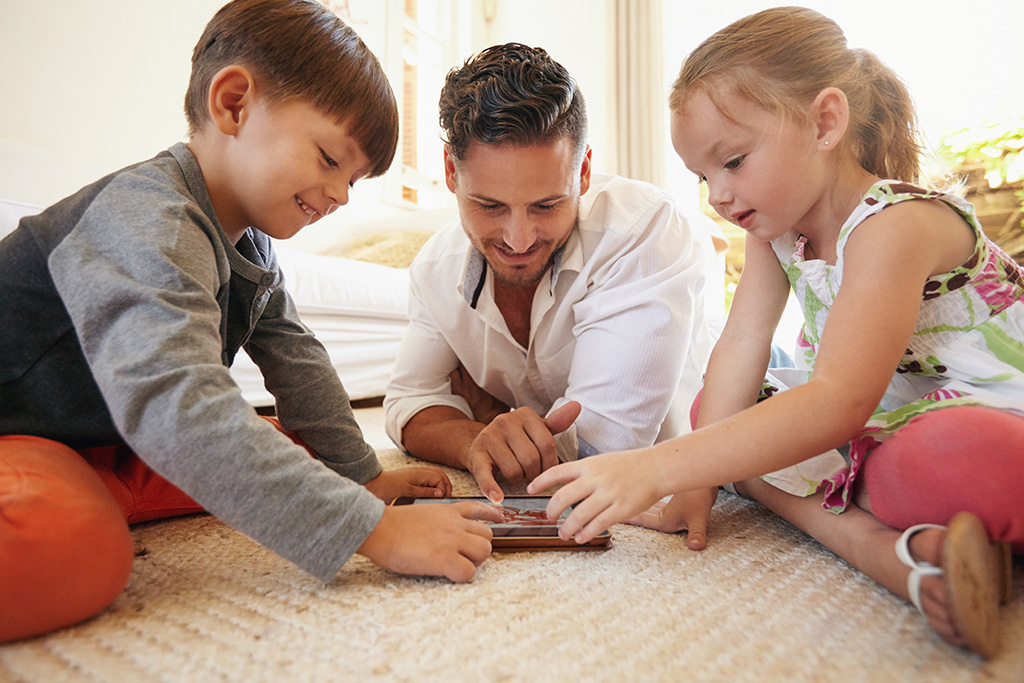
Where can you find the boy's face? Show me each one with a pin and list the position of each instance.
(518, 204)
(288, 166)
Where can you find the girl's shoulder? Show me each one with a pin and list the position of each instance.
(889, 193)
(886, 193)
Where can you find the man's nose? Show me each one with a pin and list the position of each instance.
(519, 233)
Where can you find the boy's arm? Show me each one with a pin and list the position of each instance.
(310, 398)
(145, 309)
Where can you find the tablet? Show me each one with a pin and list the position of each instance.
(526, 525)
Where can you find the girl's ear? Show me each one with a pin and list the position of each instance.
(232, 91)
(830, 114)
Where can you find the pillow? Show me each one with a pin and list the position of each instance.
(392, 248)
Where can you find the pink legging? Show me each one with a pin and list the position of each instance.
(965, 458)
(65, 548)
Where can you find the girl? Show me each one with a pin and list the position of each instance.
(906, 410)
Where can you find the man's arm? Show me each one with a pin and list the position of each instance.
(640, 335)
(519, 444)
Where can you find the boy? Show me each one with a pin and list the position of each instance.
(127, 302)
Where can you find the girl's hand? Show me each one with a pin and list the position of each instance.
(412, 482)
(605, 489)
(688, 510)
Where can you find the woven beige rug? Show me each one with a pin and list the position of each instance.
(762, 603)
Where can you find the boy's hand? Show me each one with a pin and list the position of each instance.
(519, 444)
(605, 489)
(688, 510)
(414, 482)
(432, 540)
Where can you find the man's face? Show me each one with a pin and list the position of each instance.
(518, 204)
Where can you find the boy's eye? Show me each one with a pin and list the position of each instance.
(328, 160)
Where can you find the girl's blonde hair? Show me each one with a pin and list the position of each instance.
(783, 57)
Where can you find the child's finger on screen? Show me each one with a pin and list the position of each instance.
(582, 514)
(479, 511)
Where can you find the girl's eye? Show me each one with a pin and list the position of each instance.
(331, 163)
(733, 164)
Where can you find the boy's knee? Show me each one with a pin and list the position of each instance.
(66, 547)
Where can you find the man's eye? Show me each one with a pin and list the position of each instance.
(328, 160)
(545, 207)
(490, 207)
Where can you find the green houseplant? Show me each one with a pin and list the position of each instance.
(990, 159)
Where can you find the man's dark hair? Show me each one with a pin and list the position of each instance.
(299, 49)
(512, 94)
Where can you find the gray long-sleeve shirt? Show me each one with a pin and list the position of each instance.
(124, 305)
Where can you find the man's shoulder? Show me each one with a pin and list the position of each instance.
(618, 210)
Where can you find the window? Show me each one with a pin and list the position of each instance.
(414, 41)
(424, 33)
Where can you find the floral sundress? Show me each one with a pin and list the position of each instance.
(967, 347)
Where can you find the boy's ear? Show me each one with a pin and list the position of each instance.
(232, 90)
(831, 115)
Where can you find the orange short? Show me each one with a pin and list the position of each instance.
(65, 549)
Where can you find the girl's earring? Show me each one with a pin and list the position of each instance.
(826, 143)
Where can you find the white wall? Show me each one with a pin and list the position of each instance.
(91, 86)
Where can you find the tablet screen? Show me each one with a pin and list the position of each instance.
(524, 515)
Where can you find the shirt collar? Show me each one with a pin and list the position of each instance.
(474, 269)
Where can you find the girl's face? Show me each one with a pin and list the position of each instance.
(761, 168)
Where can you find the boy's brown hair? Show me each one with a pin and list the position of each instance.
(299, 49)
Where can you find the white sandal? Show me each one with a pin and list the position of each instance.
(918, 569)
(975, 573)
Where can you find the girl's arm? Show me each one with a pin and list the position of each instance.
(870, 324)
(732, 381)
(737, 365)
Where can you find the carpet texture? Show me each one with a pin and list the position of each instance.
(762, 603)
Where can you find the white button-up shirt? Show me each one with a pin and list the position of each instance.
(617, 324)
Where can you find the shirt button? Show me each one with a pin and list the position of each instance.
(267, 280)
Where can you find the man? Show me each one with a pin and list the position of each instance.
(553, 291)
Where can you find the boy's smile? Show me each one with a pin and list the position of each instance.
(279, 168)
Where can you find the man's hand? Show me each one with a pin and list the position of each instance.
(432, 540)
(688, 510)
(484, 406)
(414, 482)
(520, 444)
